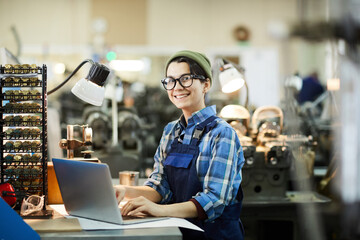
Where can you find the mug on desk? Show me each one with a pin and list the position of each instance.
(129, 178)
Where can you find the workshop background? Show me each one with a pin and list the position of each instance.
(300, 61)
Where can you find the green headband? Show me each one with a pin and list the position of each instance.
(199, 58)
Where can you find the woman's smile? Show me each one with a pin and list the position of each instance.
(181, 95)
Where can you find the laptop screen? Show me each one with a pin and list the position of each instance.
(87, 190)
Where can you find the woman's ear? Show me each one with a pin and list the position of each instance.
(207, 85)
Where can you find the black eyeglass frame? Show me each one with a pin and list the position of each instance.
(192, 77)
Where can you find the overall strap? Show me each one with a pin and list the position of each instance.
(176, 135)
(202, 128)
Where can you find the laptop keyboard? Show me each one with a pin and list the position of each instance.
(131, 217)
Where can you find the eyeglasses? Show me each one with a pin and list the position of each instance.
(33, 203)
(185, 80)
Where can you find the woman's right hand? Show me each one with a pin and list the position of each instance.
(119, 192)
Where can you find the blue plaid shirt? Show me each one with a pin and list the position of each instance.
(218, 165)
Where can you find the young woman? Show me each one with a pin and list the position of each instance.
(197, 170)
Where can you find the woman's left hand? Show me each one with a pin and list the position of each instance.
(142, 205)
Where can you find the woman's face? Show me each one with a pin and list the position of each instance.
(190, 99)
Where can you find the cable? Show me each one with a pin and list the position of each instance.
(70, 76)
(17, 40)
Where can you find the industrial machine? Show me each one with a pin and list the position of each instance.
(73, 145)
(272, 160)
(128, 151)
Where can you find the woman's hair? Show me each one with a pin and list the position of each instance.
(194, 66)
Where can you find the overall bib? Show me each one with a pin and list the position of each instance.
(180, 169)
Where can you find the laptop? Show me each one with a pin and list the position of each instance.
(87, 191)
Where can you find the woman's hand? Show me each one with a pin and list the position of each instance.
(119, 192)
(140, 206)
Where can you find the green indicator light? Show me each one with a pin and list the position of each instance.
(111, 56)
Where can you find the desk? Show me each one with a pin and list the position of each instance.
(141, 233)
(170, 233)
(61, 231)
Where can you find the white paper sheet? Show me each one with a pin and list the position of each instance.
(88, 224)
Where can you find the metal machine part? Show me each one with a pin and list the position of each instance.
(71, 144)
(241, 132)
(267, 114)
(130, 132)
(266, 174)
(268, 160)
(239, 118)
(268, 132)
(100, 123)
(269, 135)
(272, 160)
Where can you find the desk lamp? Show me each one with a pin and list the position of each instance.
(91, 88)
(231, 77)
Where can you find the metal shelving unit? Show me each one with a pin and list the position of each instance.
(23, 129)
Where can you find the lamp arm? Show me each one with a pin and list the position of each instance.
(242, 70)
(247, 94)
(70, 76)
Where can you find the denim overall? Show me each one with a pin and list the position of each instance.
(180, 169)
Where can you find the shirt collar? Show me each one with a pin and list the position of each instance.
(182, 122)
(202, 115)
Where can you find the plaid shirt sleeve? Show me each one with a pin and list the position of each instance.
(222, 157)
(157, 180)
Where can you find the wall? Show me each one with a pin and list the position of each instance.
(126, 20)
(200, 24)
(45, 22)
(203, 24)
(63, 30)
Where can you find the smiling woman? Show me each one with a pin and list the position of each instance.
(197, 170)
(191, 98)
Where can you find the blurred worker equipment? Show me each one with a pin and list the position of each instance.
(100, 123)
(71, 144)
(266, 175)
(310, 90)
(272, 160)
(239, 118)
(7, 193)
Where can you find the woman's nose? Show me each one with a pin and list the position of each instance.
(178, 85)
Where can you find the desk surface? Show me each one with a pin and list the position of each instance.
(61, 231)
(141, 233)
(168, 233)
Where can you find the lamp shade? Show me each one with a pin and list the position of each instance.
(89, 92)
(231, 79)
(91, 89)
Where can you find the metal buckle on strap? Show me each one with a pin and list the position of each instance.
(177, 132)
(197, 133)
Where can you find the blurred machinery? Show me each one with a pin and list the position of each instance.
(342, 30)
(239, 118)
(130, 131)
(127, 153)
(72, 145)
(139, 128)
(100, 123)
(272, 160)
(310, 118)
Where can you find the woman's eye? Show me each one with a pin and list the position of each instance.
(169, 80)
(185, 78)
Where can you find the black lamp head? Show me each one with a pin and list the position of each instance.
(98, 74)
